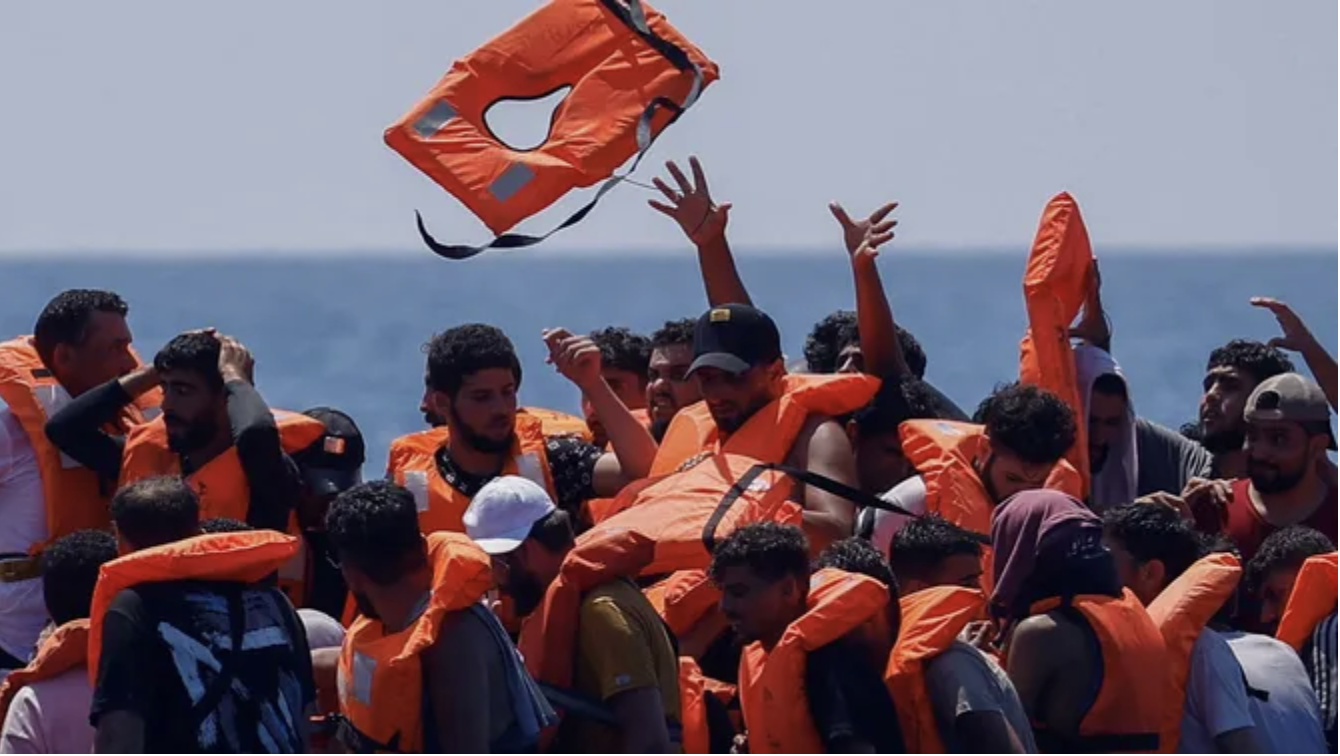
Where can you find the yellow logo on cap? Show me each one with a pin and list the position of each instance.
(719, 315)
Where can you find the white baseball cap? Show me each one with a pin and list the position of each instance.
(501, 515)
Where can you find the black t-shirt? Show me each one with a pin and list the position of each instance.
(572, 463)
(168, 655)
(848, 698)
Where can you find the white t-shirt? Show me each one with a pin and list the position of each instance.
(911, 496)
(23, 522)
(51, 716)
(1216, 697)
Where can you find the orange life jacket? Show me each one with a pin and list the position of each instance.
(381, 675)
(1128, 713)
(772, 683)
(72, 494)
(627, 85)
(1181, 612)
(62, 651)
(674, 529)
(413, 464)
(771, 432)
(1313, 599)
(244, 557)
(931, 621)
(1056, 284)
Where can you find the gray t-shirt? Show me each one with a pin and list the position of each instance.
(1288, 719)
(1167, 460)
(963, 680)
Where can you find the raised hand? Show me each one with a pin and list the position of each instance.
(870, 233)
(577, 358)
(1295, 336)
(235, 362)
(691, 206)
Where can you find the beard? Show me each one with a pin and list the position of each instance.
(365, 607)
(184, 438)
(480, 442)
(658, 429)
(1224, 441)
(1097, 458)
(1273, 479)
(526, 592)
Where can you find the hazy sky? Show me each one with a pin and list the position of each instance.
(165, 126)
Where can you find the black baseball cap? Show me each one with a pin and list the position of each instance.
(735, 338)
(334, 462)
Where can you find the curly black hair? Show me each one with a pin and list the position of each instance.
(896, 402)
(922, 544)
(224, 525)
(460, 352)
(857, 556)
(674, 333)
(1287, 548)
(195, 351)
(621, 349)
(70, 568)
(1034, 424)
(1150, 531)
(839, 330)
(155, 511)
(65, 319)
(374, 527)
(771, 550)
(1251, 357)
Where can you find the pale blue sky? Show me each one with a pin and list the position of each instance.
(167, 126)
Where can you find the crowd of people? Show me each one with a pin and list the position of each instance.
(720, 555)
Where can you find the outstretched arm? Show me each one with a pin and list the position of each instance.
(1297, 338)
(880, 350)
(704, 222)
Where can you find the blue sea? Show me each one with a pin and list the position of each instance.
(347, 331)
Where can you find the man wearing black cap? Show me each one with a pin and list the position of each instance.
(739, 368)
(330, 466)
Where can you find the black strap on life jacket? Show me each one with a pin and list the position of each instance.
(635, 18)
(577, 704)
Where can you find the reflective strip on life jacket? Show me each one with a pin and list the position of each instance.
(1056, 284)
(72, 495)
(1181, 612)
(631, 73)
(62, 651)
(1313, 599)
(381, 675)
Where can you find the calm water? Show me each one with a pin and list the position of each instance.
(347, 332)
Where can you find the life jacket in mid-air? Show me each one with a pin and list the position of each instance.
(773, 699)
(1181, 613)
(631, 75)
(931, 622)
(1128, 710)
(242, 557)
(381, 674)
(64, 650)
(1056, 284)
(413, 464)
(768, 434)
(73, 496)
(674, 529)
(1312, 600)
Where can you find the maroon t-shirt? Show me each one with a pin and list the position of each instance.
(1248, 530)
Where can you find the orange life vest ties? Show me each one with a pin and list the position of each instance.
(243, 557)
(62, 651)
(772, 682)
(1056, 285)
(1313, 599)
(72, 494)
(631, 73)
(1181, 612)
(381, 674)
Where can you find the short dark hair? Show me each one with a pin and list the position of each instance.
(857, 556)
(374, 527)
(195, 351)
(1034, 424)
(839, 329)
(621, 349)
(554, 531)
(65, 319)
(772, 550)
(674, 333)
(224, 525)
(1252, 357)
(70, 568)
(1110, 384)
(155, 511)
(460, 352)
(1152, 531)
(921, 545)
(896, 402)
(1287, 548)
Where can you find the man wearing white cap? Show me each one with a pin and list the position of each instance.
(625, 658)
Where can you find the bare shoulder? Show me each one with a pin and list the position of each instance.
(820, 435)
(1050, 635)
